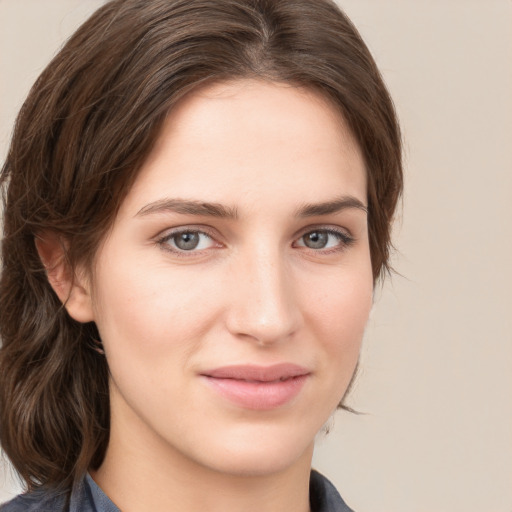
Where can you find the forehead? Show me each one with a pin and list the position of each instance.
(247, 139)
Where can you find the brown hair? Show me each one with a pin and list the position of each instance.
(85, 129)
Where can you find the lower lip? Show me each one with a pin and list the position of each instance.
(258, 395)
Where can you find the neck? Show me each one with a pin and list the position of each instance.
(138, 484)
(140, 475)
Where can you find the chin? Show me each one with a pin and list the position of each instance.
(258, 453)
(261, 464)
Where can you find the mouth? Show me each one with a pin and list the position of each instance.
(257, 387)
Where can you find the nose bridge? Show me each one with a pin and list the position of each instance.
(264, 305)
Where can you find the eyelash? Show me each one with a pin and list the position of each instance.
(164, 240)
(345, 240)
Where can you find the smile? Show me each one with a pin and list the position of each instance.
(256, 387)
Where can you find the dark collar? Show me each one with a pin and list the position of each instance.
(323, 496)
(87, 496)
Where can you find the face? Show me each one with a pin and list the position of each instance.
(232, 293)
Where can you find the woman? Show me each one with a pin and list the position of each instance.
(198, 199)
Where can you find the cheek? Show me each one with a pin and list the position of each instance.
(142, 307)
(149, 331)
(342, 304)
(151, 316)
(339, 314)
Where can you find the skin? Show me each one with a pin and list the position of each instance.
(253, 292)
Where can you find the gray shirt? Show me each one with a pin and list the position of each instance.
(87, 496)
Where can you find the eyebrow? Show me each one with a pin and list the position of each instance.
(189, 207)
(207, 209)
(330, 207)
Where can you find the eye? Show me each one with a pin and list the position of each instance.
(322, 239)
(187, 241)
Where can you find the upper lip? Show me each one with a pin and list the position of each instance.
(255, 373)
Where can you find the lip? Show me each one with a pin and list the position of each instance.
(257, 387)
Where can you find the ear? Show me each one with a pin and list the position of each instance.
(72, 288)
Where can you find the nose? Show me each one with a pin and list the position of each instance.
(264, 306)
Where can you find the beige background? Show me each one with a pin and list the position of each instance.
(436, 379)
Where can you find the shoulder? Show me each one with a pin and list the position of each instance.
(323, 495)
(79, 499)
(37, 501)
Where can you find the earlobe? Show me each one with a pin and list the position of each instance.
(71, 286)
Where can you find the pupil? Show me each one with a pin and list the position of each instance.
(187, 241)
(316, 240)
